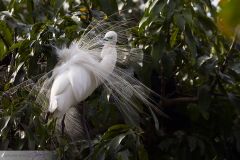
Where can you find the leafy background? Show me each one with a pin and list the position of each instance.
(192, 58)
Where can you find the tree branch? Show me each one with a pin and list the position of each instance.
(177, 101)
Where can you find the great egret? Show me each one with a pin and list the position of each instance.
(86, 64)
(73, 81)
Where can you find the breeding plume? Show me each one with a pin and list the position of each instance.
(74, 80)
(95, 60)
(92, 61)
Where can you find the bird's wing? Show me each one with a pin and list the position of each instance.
(58, 92)
(82, 81)
(61, 82)
(62, 102)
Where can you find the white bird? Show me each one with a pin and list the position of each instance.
(83, 66)
(73, 80)
(86, 64)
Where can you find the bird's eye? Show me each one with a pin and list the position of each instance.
(108, 38)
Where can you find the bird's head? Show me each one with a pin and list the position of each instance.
(110, 37)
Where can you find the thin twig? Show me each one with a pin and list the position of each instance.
(177, 101)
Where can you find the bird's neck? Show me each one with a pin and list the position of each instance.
(109, 59)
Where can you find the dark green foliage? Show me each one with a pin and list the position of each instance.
(187, 60)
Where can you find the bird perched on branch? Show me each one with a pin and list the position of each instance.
(92, 61)
(74, 80)
(96, 59)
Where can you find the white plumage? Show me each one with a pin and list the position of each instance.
(89, 62)
(73, 80)
(86, 64)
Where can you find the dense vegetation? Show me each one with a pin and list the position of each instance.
(192, 58)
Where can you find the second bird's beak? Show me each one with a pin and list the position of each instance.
(105, 39)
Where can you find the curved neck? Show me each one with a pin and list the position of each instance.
(109, 58)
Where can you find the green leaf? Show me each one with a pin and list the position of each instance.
(115, 130)
(37, 29)
(123, 155)
(3, 50)
(157, 6)
(114, 144)
(16, 45)
(192, 142)
(188, 16)
(6, 39)
(30, 8)
(158, 50)
(207, 65)
(4, 123)
(142, 153)
(236, 67)
(202, 59)
(190, 40)
(11, 4)
(6, 33)
(142, 22)
(109, 6)
(58, 4)
(166, 144)
(234, 100)
(180, 21)
(226, 78)
(2, 6)
(154, 2)
(207, 23)
(174, 37)
(15, 73)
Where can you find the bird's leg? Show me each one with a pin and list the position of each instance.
(63, 124)
(47, 116)
(85, 127)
